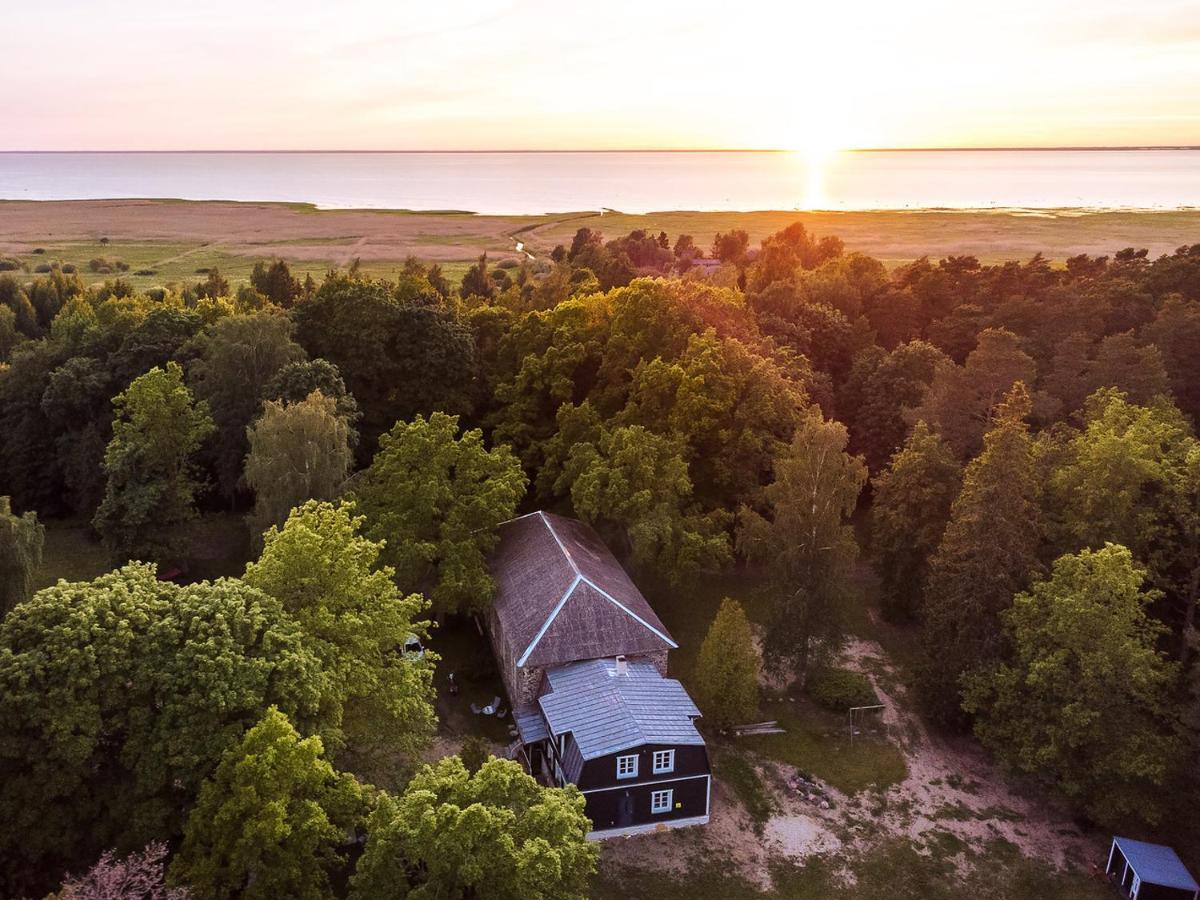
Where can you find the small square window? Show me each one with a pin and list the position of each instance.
(627, 766)
(664, 761)
(661, 801)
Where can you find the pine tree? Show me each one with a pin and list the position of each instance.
(727, 668)
(987, 555)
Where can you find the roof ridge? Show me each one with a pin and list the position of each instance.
(550, 618)
(561, 546)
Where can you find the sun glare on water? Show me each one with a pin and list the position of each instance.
(815, 160)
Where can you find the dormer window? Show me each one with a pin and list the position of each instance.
(627, 766)
(664, 761)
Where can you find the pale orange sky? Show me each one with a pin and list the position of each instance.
(527, 74)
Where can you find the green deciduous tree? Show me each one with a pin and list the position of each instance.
(375, 704)
(21, 540)
(402, 348)
(727, 669)
(435, 499)
(297, 380)
(885, 396)
(805, 541)
(912, 506)
(274, 820)
(298, 451)
(1085, 698)
(236, 359)
(731, 408)
(118, 698)
(634, 486)
(158, 427)
(987, 554)
(494, 835)
(1119, 478)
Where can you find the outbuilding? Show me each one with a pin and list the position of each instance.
(1150, 871)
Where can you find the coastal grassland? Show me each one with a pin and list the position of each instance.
(173, 263)
(174, 238)
(898, 236)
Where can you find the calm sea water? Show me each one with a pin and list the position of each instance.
(513, 183)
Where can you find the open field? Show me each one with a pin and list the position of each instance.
(174, 238)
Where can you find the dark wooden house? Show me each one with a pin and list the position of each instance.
(584, 658)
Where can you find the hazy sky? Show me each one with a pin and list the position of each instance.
(528, 74)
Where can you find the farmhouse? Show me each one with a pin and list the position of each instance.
(583, 658)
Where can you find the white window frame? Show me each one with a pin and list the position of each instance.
(668, 762)
(657, 808)
(625, 769)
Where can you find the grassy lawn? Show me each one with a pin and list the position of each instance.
(70, 553)
(216, 545)
(818, 743)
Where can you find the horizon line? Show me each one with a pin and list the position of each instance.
(985, 149)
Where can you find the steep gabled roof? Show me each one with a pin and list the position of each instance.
(608, 712)
(561, 595)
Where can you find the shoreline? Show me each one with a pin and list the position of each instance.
(312, 206)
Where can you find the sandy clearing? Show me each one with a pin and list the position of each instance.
(952, 787)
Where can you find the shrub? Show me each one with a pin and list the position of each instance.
(70, 268)
(840, 689)
(9, 264)
(38, 251)
(203, 270)
(146, 272)
(104, 242)
(104, 265)
(42, 268)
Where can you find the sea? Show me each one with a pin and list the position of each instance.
(518, 183)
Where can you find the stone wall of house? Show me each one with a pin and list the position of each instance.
(524, 684)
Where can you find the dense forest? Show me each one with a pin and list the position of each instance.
(1011, 448)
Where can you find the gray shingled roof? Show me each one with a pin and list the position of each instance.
(607, 712)
(530, 724)
(561, 595)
